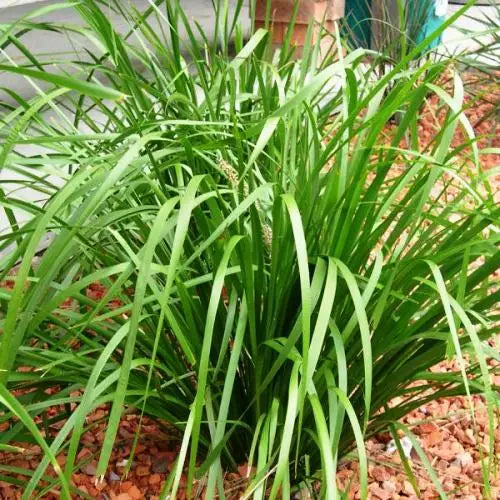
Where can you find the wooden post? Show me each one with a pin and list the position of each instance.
(323, 12)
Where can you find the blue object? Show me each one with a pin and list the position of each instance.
(432, 23)
(359, 23)
(358, 18)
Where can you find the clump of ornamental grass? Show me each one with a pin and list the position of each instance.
(279, 271)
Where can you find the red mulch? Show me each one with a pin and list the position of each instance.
(453, 441)
(450, 437)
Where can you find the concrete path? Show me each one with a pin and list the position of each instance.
(48, 44)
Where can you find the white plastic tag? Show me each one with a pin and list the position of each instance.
(441, 8)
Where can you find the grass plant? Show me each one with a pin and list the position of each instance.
(279, 270)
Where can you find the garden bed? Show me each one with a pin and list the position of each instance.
(450, 437)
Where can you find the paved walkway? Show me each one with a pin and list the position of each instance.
(48, 44)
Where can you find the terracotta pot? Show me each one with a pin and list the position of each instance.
(323, 12)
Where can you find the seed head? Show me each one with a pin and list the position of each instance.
(267, 235)
(230, 172)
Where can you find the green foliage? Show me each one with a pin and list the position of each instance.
(279, 271)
